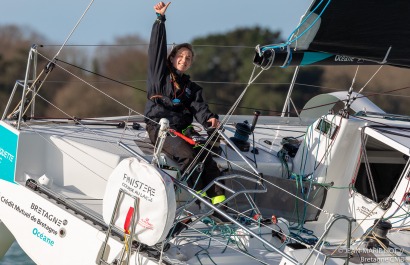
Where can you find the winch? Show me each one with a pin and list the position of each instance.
(242, 132)
(379, 234)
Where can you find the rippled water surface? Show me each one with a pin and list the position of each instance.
(16, 256)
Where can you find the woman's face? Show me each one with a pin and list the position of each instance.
(182, 60)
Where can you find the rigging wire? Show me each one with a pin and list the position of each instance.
(389, 93)
(144, 44)
(99, 90)
(51, 63)
(349, 100)
(75, 27)
(100, 75)
(254, 83)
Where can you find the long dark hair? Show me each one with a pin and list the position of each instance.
(179, 81)
(177, 48)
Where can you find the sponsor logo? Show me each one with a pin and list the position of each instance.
(366, 211)
(30, 214)
(145, 223)
(139, 188)
(42, 237)
(6, 155)
(342, 58)
(46, 214)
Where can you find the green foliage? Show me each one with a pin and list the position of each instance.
(14, 46)
(116, 82)
(111, 79)
(224, 69)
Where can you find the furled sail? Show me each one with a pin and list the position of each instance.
(345, 32)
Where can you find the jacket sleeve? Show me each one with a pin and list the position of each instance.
(157, 56)
(199, 108)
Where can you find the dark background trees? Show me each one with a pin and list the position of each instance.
(110, 79)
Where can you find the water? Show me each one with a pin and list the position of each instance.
(16, 256)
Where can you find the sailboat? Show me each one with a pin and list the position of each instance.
(330, 186)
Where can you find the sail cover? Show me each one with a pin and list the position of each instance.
(345, 32)
(156, 204)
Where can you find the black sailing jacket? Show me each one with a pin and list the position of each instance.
(161, 92)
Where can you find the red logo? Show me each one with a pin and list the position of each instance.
(145, 223)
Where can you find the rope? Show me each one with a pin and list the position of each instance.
(26, 93)
(35, 92)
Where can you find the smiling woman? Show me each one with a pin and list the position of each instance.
(181, 57)
(172, 95)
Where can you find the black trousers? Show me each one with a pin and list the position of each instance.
(183, 154)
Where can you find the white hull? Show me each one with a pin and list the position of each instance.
(74, 166)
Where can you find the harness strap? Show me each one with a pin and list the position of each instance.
(183, 137)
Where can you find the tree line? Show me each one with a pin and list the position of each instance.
(110, 79)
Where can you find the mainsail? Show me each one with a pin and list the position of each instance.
(345, 32)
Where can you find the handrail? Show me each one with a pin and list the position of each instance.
(18, 82)
(25, 86)
(349, 231)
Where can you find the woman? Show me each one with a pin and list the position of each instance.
(172, 95)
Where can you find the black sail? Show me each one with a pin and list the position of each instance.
(365, 29)
(361, 31)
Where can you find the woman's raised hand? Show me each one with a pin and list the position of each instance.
(161, 7)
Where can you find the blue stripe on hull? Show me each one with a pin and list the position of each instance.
(8, 153)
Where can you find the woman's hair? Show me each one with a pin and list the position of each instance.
(176, 48)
